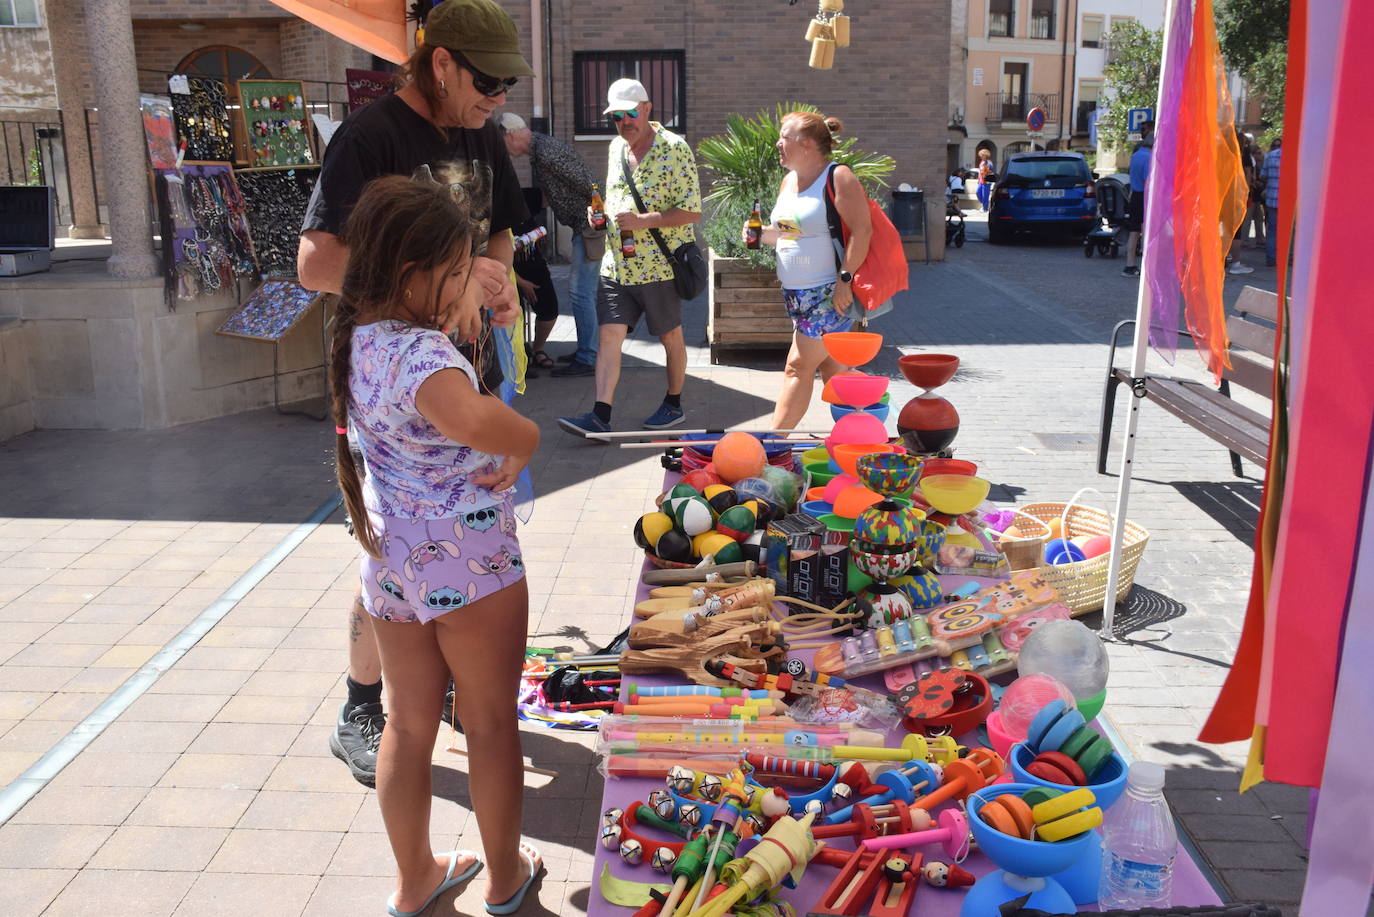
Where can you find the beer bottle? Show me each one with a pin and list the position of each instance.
(753, 230)
(627, 243)
(598, 209)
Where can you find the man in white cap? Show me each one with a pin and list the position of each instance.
(566, 181)
(636, 275)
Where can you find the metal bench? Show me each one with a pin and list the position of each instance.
(1243, 431)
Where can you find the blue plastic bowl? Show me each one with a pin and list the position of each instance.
(817, 508)
(1111, 778)
(1017, 855)
(879, 410)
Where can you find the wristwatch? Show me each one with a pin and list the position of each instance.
(846, 276)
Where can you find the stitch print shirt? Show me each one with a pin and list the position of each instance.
(414, 472)
(666, 178)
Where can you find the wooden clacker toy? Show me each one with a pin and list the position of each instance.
(952, 835)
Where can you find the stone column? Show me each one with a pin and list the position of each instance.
(69, 50)
(124, 156)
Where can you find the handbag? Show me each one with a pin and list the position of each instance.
(884, 271)
(689, 267)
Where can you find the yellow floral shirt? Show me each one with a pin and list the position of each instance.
(666, 178)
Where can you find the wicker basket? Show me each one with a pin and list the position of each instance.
(1023, 542)
(1083, 585)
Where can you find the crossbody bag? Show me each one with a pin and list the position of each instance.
(689, 267)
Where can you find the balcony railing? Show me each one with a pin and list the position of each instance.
(1014, 106)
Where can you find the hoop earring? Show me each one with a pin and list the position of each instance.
(443, 89)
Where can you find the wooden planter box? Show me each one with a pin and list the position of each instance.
(746, 309)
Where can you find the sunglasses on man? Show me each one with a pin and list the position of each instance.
(489, 86)
(618, 116)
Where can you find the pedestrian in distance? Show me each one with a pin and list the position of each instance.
(636, 275)
(441, 571)
(1135, 204)
(1269, 183)
(1247, 163)
(985, 175)
(816, 277)
(469, 59)
(559, 172)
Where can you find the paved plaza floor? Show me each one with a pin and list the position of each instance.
(214, 791)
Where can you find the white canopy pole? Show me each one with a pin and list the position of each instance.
(1138, 353)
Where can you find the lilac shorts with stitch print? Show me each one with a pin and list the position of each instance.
(436, 565)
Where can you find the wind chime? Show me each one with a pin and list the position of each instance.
(826, 32)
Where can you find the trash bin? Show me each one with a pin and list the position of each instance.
(907, 212)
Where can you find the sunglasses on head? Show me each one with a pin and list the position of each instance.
(488, 86)
(618, 116)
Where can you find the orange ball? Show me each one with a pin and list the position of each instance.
(737, 456)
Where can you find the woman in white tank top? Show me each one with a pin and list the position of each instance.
(814, 274)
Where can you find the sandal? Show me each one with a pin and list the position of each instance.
(450, 880)
(512, 904)
(542, 360)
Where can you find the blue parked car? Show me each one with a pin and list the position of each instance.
(1046, 193)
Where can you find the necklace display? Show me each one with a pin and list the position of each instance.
(275, 202)
(204, 226)
(202, 118)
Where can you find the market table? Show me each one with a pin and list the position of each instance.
(1190, 887)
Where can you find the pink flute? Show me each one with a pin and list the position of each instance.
(703, 701)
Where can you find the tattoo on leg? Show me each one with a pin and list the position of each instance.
(355, 621)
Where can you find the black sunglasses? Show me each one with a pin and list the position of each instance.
(489, 86)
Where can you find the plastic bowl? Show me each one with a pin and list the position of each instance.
(836, 523)
(948, 466)
(928, 370)
(881, 410)
(819, 473)
(816, 508)
(890, 473)
(1111, 777)
(954, 494)
(848, 455)
(854, 500)
(814, 493)
(857, 389)
(852, 348)
(814, 454)
(837, 485)
(857, 427)
(1015, 854)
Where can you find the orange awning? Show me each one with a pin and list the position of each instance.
(377, 26)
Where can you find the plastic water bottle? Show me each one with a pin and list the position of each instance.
(1138, 844)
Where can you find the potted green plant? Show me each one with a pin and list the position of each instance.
(745, 306)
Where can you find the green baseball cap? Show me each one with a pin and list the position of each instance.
(482, 31)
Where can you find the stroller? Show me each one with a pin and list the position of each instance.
(1111, 210)
(954, 220)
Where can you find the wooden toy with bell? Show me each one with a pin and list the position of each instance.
(828, 30)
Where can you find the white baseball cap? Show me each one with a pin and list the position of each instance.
(511, 122)
(624, 95)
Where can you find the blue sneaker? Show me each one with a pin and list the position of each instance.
(666, 416)
(584, 425)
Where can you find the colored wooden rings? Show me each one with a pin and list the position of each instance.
(1067, 750)
(1052, 818)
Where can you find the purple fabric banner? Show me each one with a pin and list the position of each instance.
(1161, 268)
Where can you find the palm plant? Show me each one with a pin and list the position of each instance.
(744, 163)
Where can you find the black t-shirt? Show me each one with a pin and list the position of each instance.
(388, 137)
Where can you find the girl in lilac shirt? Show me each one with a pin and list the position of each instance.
(442, 574)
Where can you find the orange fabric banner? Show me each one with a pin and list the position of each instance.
(376, 26)
(1208, 181)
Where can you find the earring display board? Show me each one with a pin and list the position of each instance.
(272, 310)
(160, 131)
(200, 108)
(367, 86)
(275, 123)
(276, 199)
(206, 241)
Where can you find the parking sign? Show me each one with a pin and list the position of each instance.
(1136, 118)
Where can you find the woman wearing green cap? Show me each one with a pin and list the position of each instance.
(466, 61)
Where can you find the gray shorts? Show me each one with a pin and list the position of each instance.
(623, 304)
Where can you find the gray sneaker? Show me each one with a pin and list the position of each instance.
(356, 737)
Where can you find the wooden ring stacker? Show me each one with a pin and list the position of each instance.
(965, 776)
(946, 701)
(629, 821)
